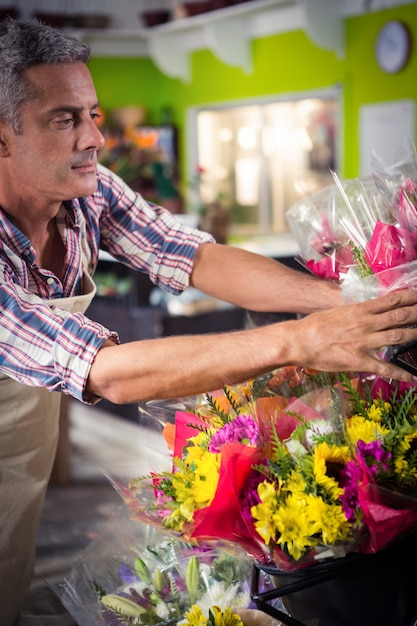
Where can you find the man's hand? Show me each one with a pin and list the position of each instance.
(349, 337)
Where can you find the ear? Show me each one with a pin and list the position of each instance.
(4, 142)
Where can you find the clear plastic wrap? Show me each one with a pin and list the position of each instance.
(362, 232)
(133, 574)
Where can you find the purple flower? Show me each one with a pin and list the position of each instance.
(126, 574)
(370, 456)
(249, 497)
(110, 619)
(374, 455)
(143, 600)
(242, 429)
(351, 475)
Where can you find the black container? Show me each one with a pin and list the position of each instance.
(56, 20)
(155, 17)
(359, 590)
(6, 12)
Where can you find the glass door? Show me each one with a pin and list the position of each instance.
(257, 159)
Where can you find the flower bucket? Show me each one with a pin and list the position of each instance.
(358, 590)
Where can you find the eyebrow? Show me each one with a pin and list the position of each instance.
(72, 109)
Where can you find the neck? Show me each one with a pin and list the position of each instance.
(46, 241)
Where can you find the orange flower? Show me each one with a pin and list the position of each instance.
(169, 435)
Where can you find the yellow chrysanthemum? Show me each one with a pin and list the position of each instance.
(198, 445)
(295, 483)
(203, 477)
(329, 460)
(179, 515)
(367, 430)
(374, 412)
(195, 484)
(294, 527)
(268, 491)
(401, 465)
(329, 520)
(263, 512)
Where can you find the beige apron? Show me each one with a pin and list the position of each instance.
(29, 421)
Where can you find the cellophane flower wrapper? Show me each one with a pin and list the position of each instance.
(294, 467)
(362, 232)
(133, 574)
(327, 228)
(396, 181)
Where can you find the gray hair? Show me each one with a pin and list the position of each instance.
(23, 45)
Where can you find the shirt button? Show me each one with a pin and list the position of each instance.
(26, 252)
(50, 281)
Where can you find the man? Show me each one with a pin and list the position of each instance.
(57, 208)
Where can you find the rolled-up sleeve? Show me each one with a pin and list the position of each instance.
(45, 346)
(147, 237)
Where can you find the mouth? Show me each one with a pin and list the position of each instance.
(88, 167)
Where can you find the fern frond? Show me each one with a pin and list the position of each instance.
(216, 409)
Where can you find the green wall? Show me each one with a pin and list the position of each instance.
(282, 64)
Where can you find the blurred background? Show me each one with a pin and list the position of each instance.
(227, 113)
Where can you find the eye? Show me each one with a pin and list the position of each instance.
(98, 116)
(65, 122)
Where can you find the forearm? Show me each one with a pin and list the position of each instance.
(259, 283)
(346, 338)
(182, 365)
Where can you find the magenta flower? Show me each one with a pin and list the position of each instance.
(326, 268)
(242, 429)
(374, 455)
(371, 458)
(351, 476)
(249, 496)
(384, 390)
(389, 246)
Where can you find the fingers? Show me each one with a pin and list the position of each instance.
(400, 303)
(386, 370)
(389, 320)
(348, 338)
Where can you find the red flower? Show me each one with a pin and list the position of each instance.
(223, 519)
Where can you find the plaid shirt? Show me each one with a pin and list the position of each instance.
(53, 348)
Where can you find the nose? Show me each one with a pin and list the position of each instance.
(91, 138)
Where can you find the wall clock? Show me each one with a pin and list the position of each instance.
(393, 46)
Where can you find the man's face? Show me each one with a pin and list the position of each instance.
(55, 155)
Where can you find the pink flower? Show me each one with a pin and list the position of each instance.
(326, 268)
(383, 389)
(326, 241)
(389, 246)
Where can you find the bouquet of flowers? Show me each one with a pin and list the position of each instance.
(295, 467)
(133, 574)
(362, 232)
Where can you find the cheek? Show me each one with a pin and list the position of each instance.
(37, 169)
(41, 171)
(41, 159)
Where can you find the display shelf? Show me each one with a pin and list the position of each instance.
(227, 32)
